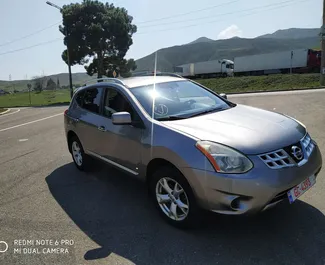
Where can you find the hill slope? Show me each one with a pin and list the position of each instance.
(77, 79)
(202, 39)
(293, 33)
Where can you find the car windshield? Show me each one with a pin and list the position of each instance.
(178, 99)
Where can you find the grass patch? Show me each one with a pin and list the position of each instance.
(261, 83)
(2, 110)
(37, 99)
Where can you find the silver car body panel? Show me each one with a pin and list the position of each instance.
(247, 129)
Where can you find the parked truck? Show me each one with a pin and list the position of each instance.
(296, 61)
(207, 69)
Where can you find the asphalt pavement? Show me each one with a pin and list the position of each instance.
(50, 213)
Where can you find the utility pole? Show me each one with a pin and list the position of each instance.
(291, 62)
(68, 55)
(322, 69)
(10, 82)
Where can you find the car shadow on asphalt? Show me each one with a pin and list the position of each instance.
(114, 210)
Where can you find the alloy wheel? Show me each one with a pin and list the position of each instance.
(172, 199)
(76, 152)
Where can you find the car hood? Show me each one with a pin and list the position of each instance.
(247, 129)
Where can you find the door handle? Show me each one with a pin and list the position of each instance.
(101, 128)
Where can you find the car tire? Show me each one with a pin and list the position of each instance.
(80, 159)
(177, 206)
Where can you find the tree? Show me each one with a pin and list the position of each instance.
(50, 85)
(99, 35)
(120, 66)
(58, 83)
(38, 82)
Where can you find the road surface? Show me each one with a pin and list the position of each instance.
(105, 217)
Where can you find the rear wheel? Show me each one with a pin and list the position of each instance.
(80, 159)
(173, 197)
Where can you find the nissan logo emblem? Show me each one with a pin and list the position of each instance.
(297, 152)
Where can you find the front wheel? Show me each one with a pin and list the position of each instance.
(173, 197)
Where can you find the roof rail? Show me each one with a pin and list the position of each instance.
(109, 79)
(157, 74)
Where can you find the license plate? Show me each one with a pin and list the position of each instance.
(301, 188)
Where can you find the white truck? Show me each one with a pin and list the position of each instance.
(296, 61)
(207, 69)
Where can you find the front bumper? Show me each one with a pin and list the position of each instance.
(254, 191)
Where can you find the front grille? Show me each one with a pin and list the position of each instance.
(277, 159)
(289, 151)
(284, 158)
(308, 144)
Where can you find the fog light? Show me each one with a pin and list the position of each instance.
(235, 204)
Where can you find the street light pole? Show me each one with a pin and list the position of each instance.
(322, 68)
(68, 54)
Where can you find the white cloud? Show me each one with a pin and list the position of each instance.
(231, 31)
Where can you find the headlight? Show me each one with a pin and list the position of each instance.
(223, 158)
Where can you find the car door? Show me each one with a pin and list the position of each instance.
(89, 118)
(120, 144)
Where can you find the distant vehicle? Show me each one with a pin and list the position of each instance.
(297, 61)
(3, 92)
(192, 147)
(207, 69)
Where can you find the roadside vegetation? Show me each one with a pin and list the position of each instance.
(226, 85)
(261, 83)
(2, 110)
(21, 99)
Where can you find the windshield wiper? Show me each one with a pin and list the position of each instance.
(206, 111)
(170, 118)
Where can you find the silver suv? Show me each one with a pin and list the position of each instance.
(194, 148)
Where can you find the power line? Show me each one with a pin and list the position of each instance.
(29, 47)
(224, 14)
(219, 20)
(29, 35)
(170, 29)
(187, 13)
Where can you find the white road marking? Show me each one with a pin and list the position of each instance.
(23, 140)
(23, 124)
(10, 113)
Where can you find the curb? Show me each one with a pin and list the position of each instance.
(4, 112)
(41, 106)
(270, 91)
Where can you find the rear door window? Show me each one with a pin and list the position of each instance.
(80, 97)
(92, 99)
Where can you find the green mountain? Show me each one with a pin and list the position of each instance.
(199, 51)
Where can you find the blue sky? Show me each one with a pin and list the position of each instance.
(244, 18)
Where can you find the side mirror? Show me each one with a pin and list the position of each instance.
(121, 118)
(223, 95)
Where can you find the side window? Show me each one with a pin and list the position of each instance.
(80, 97)
(91, 100)
(116, 102)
